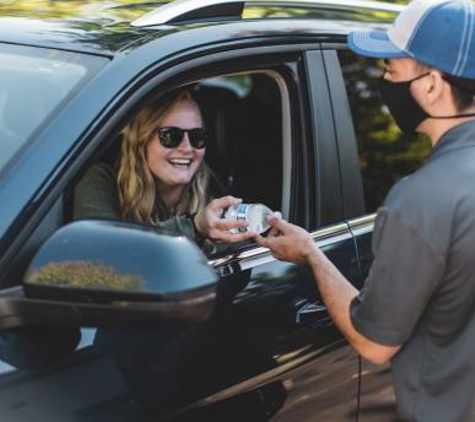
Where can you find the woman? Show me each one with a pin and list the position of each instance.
(161, 179)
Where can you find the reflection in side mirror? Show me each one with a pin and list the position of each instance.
(105, 261)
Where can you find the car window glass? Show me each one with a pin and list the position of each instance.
(385, 154)
(33, 82)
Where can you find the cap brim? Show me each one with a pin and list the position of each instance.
(375, 44)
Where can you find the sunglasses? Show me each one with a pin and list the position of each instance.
(172, 136)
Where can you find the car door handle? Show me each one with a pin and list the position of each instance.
(312, 315)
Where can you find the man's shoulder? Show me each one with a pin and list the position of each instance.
(438, 184)
(430, 200)
(416, 190)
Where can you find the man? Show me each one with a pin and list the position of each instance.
(417, 308)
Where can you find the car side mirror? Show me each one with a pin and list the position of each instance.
(98, 272)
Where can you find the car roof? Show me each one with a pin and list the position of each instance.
(106, 27)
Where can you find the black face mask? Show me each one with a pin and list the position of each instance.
(407, 113)
(397, 96)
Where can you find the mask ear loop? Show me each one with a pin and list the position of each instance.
(455, 116)
(410, 81)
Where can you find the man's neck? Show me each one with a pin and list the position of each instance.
(436, 128)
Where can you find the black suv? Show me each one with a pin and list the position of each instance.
(296, 123)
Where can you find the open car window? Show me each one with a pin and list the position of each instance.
(244, 114)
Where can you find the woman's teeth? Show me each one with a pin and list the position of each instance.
(180, 162)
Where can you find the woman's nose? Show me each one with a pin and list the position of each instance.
(185, 143)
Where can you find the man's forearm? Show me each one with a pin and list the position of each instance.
(337, 293)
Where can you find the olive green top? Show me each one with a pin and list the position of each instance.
(96, 196)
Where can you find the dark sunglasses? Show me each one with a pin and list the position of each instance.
(172, 136)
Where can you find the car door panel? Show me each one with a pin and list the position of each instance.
(282, 321)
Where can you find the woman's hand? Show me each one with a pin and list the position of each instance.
(209, 224)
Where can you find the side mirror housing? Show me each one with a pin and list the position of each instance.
(98, 272)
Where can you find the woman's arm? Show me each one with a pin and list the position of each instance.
(96, 197)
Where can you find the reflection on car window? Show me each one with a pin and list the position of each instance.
(312, 12)
(33, 82)
(5, 367)
(385, 153)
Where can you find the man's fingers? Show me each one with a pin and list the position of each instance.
(261, 241)
(273, 232)
(279, 224)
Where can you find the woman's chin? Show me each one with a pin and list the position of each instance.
(181, 182)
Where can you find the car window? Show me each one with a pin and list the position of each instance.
(244, 113)
(246, 117)
(33, 83)
(385, 154)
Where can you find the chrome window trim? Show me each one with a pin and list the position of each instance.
(166, 13)
(258, 256)
(362, 225)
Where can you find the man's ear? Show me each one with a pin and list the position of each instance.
(435, 87)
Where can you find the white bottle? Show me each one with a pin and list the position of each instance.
(254, 214)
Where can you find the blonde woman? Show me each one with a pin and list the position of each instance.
(161, 179)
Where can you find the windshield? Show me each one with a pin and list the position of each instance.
(33, 83)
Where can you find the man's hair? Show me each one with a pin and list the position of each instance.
(463, 91)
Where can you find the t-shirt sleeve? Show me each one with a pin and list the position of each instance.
(405, 272)
(96, 196)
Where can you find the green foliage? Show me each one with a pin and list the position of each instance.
(84, 274)
(118, 10)
(386, 154)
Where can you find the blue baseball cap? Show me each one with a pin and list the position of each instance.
(438, 33)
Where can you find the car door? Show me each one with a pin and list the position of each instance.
(270, 347)
(301, 367)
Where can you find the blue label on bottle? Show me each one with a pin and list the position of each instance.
(241, 212)
(241, 215)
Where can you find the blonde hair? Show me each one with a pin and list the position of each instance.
(138, 194)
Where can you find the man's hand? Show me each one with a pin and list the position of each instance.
(288, 242)
(292, 243)
(209, 223)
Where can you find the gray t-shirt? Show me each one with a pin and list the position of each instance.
(420, 292)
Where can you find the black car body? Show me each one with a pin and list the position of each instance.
(297, 125)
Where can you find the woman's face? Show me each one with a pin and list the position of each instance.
(174, 168)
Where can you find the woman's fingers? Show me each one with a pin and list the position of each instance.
(221, 224)
(226, 201)
(228, 237)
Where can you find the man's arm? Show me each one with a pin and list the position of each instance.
(292, 243)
